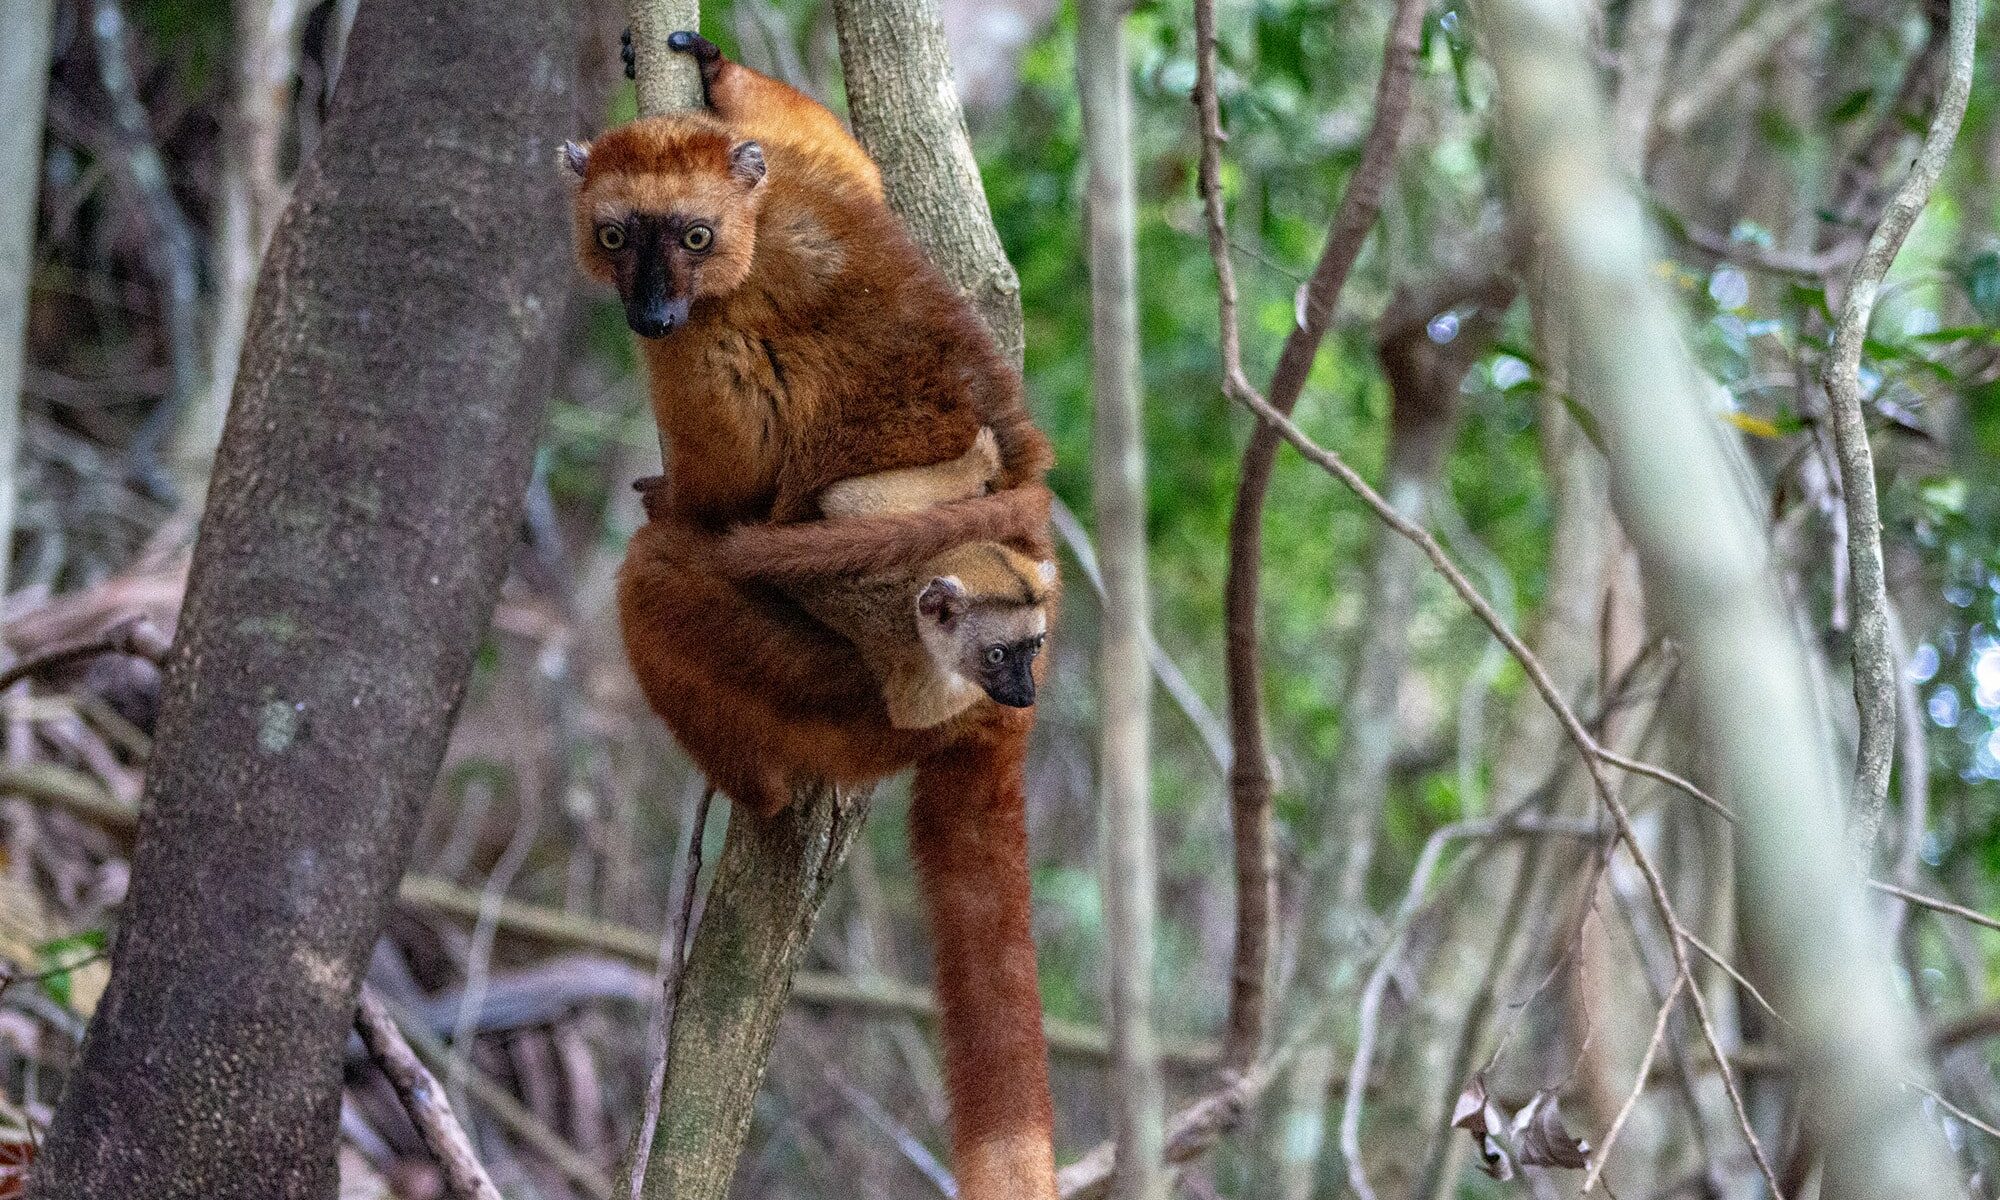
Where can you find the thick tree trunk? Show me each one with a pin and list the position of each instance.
(365, 494)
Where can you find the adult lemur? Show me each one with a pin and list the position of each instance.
(796, 338)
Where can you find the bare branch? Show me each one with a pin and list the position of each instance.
(136, 636)
(1935, 905)
(171, 252)
(1251, 782)
(424, 1099)
(1653, 1044)
(667, 975)
(1874, 658)
(819, 989)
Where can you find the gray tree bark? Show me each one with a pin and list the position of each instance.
(366, 492)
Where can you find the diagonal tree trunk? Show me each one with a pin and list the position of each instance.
(366, 491)
(1707, 560)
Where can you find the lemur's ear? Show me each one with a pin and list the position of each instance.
(574, 156)
(943, 600)
(746, 163)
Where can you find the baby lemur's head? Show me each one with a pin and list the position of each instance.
(985, 616)
(666, 210)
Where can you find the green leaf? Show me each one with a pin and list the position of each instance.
(1980, 276)
(56, 960)
(1851, 107)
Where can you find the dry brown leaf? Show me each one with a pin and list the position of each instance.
(1542, 1140)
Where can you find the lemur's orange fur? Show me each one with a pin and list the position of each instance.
(821, 345)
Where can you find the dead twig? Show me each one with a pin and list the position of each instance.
(136, 636)
(671, 967)
(422, 1098)
(1659, 1037)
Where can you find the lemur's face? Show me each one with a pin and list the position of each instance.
(666, 211)
(992, 642)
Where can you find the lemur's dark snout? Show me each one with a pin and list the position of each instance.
(657, 318)
(1015, 689)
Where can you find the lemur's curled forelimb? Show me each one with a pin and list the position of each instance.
(795, 337)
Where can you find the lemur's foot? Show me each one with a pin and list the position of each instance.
(707, 55)
(629, 54)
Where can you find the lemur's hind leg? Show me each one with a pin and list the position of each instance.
(771, 111)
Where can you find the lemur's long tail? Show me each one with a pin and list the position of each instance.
(867, 545)
(968, 833)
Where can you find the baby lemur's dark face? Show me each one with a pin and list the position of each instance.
(1005, 670)
(992, 642)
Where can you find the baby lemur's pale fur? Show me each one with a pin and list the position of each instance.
(969, 621)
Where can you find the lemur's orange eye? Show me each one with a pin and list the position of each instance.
(697, 238)
(611, 237)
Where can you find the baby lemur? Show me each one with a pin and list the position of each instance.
(967, 621)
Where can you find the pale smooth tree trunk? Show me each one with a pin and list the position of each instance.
(1851, 1036)
(24, 85)
(252, 196)
(1118, 474)
(367, 489)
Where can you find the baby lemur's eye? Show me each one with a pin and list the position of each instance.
(697, 237)
(996, 655)
(611, 237)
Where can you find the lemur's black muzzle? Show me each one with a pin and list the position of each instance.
(651, 308)
(1013, 684)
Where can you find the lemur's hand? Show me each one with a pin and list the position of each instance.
(706, 54)
(653, 494)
